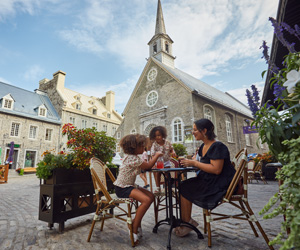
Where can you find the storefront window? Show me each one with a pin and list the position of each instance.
(30, 158)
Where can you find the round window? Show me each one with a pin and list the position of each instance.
(152, 98)
(152, 74)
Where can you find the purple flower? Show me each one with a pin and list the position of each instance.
(278, 89)
(279, 34)
(255, 94)
(297, 29)
(265, 52)
(252, 105)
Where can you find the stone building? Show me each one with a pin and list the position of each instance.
(81, 110)
(30, 121)
(167, 96)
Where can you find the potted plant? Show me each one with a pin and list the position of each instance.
(268, 173)
(66, 189)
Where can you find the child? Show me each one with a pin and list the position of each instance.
(133, 145)
(143, 174)
(160, 144)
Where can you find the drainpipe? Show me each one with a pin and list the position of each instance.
(238, 134)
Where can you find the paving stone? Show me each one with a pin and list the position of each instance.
(21, 229)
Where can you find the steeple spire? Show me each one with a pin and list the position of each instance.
(160, 23)
(160, 45)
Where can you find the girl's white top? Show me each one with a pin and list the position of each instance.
(128, 171)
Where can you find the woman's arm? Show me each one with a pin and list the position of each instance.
(215, 166)
(150, 164)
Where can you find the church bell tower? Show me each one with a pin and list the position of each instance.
(160, 45)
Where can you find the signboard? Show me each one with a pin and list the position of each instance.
(15, 146)
(249, 130)
(188, 135)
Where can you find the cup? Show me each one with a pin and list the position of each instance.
(160, 163)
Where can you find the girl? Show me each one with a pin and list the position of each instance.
(158, 135)
(211, 183)
(133, 145)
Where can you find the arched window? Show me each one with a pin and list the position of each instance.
(228, 128)
(247, 136)
(209, 114)
(177, 130)
(133, 131)
(154, 48)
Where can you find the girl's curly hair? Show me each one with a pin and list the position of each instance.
(161, 129)
(130, 143)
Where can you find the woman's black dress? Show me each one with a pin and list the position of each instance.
(206, 190)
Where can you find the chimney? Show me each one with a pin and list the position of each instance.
(59, 78)
(110, 100)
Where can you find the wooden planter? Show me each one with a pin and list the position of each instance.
(69, 193)
(3, 173)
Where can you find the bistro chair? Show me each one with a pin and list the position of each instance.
(160, 197)
(4, 173)
(256, 173)
(237, 196)
(107, 203)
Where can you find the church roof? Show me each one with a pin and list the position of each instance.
(160, 23)
(26, 103)
(203, 89)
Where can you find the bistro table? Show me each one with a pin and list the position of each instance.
(174, 219)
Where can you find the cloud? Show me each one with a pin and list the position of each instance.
(9, 8)
(34, 73)
(122, 91)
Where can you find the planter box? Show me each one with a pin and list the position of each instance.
(69, 193)
(268, 172)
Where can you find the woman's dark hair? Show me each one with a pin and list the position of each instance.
(205, 123)
(130, 143)
(161, 129)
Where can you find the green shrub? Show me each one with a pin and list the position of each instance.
(180, 150)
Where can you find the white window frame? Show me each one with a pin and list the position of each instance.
(78, 106)
(33, 131)
(83, 124)
(72, 120)
(177, 130)
(119, 135)
(247, 136)
(48, 134)
(114, 130)
(7, 104)
(228, 126)
(104, 128)
(15, 129)
(95, 124)
(211, 116)
(152, 100)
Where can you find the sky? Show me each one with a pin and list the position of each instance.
(102, 44)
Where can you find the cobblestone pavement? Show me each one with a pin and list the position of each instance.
(21, 229)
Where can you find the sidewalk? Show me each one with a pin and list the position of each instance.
(21, 229)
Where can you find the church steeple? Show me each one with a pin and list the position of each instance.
(160, 46)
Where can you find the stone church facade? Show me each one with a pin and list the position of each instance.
(167, 96)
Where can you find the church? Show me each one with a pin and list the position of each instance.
(166, 96)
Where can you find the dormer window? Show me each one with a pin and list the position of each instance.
(77, 98)
(42, 111)
(155, 48)
(94, 111)
(7, 102)
(108, 115)
(78, 106)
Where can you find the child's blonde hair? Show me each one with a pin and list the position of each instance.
(130, 143)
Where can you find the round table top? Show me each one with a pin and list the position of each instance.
(274, 165)
(187, 169)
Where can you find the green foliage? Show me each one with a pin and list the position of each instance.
(179, 149)
(288, 196)
(88, 143)
(85, 144)
(51, 161)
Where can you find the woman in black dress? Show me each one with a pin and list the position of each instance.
(213, 179)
